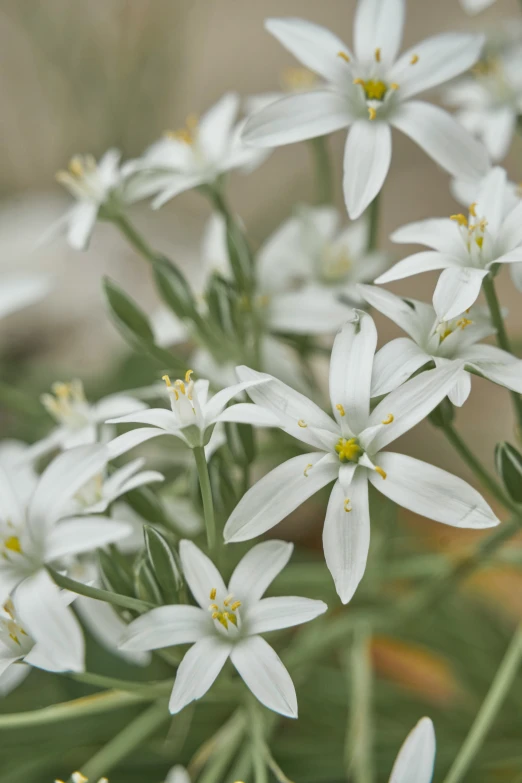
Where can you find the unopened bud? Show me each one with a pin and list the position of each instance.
(508, 462)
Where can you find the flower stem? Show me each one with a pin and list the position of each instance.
(358, 757)
(502, 337)
(478, 469)
(373, 227)
(135, 238)
(206, 494)
(98, 593)
(323, 169)
(126, 741)
(489, 709)
(149, 690)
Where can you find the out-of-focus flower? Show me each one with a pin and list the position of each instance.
(292, 80)
(17, 293)
(440, 342)
(370, 91)
(79, 421)
(475, 6)
(489, 100)
(349, 452)
(229, 627)
(194, 155)
(465, 248)
(416, 758)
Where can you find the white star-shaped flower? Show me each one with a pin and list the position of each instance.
(370, 90)
(227, 624)
(349, 451)
(416, 758)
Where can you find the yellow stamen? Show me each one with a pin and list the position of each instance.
(308, 467)
(181, 386)
(359, 81)
(394, 86)
(213, 594)
(346, 505)
(77, 777)
(187, 375)
(13, 544)
(460, 219)
(302, 423)
(231, 618)
(8, 608)
(480, 241)
(235, 606)
(463, 322)
(414, 59)
(348, 450)
(227, 599)
(76, 167)
(380, 471)
(343, 56)
(378, 55)
(372, 113)
(213, 608)
(167, 381)
(389, 418)
(472, 210)
(483, 224)
(341, 410)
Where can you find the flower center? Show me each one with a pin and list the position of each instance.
(78, 168)
(474, 229)
(181, 395)
(11, 629)
(227, 612)
(445, 328)
(335, 262)
(348, 450)
(187, 134)
(12, 543)
(67, 404)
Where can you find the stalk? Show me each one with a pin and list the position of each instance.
(134, 238)
(359, 741)
(323, 169)
(206, 494)
(98, 593)
(373, 228)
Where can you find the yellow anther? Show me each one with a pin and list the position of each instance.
(394, 86)
(13, 544)
(343, 56)
(378, 55)
(76, 167)
(307, 469)
(472, 210)
(181, 386)
(483, 224)
(346, 505)
(414, 59)
(348, 450)
(77, 777)
(302, 423)
(213, 608)
(341, 410)
(167, 380)
(463, 322)
(187, 375)
(372, 113)
(9, 609)
(216, 615)
(231, 618)
(227, 599)
(359, 81)
(298, 79)
(389, 418)
(14, 638)
(380, 471)
(479, 241)
(460, 219)
(235, 606)
(213, 594)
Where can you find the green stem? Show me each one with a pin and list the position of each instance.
(373, 227)
(358, 757)
(239, 251)
(99, 594)
(478, 469)
(150, 690)
(503, 341)
(126, 741)
(257, 732)
(323, 169)
(206, 494)
(135, 238)
(489, 709)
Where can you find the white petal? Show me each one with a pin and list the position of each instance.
(475, 6)
(178, 774)
(200, 574)
(491, 198)
(513, 257)
(116, 405)
(217, 403)
(315, 46)
(440, 234)
(503, 373)
(456, 291)
(291, 407)
(459, 393)
(516, 275)
(351, 372)
(12, 677)
(427, 261)
(278, 493)
(215, 127)
(443, 139)
(153, 417)
(441, 58)
(313, 310)
(167, 626)
(271, 614)
(107, 627)
(81, 224)
(265, 674)
(378, 24)
(498, 131)
(432, 492)
(178, 183)
(414, 317)
(130, 440)
(415, 760)
(11, 507)
(84, 534)
(198, 671)
(367, 157)
(298, 117)
(22, 292)
(409, 404)
(139, 480)
(214, 251)
(258, 569)
(511, 231)
(395, 363)
(49, 622)
(248, 413)
(346, 535)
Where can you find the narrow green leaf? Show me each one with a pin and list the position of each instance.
(165, 564)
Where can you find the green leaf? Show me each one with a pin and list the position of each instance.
(145, 583)
(174, 289)
(145, 503)
(116, 572)
(165, 565)
(240, 439)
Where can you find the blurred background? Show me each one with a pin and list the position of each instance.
(85, 76)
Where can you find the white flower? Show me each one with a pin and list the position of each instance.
(192, 416)
(227, 624)
(349, 451)
(371, 91)
(195, 155)
(475, 6)
(440, 342)
(415, 760)
(94, 185)
(465, 248)
(17, 293)
(178, 774)
(489, 100)
(79, 421)
(37, 530)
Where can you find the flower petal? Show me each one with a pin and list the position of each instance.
(84, 534)
(427, 261)
(271, 614)
(215, 127)
(367, 157)
(265, 674)
(351, 372)
(278, 493)
(440, 58)
(82, 220)
(459, 393)
(130, 440)
(491, 198)
(443, 139)
(248, 413)
(313, 45)
(153, 417)
(440, 234)
(415, 760)
(258, 569)
(346, 535)
(378, 24)
(432, 492)
(498, 130)
(499, 367)
(165, 627)
(298, 117)
(395, 363)
(414, 317)
(217, 403)
(107, 627)
(511, 230)
(312, 310)
(197, 671)
(456, 291)
(200, 574)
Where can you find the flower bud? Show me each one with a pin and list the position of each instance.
(508, 462)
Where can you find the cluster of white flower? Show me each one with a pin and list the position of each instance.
(256, 321)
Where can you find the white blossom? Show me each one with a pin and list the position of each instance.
(415, 760)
